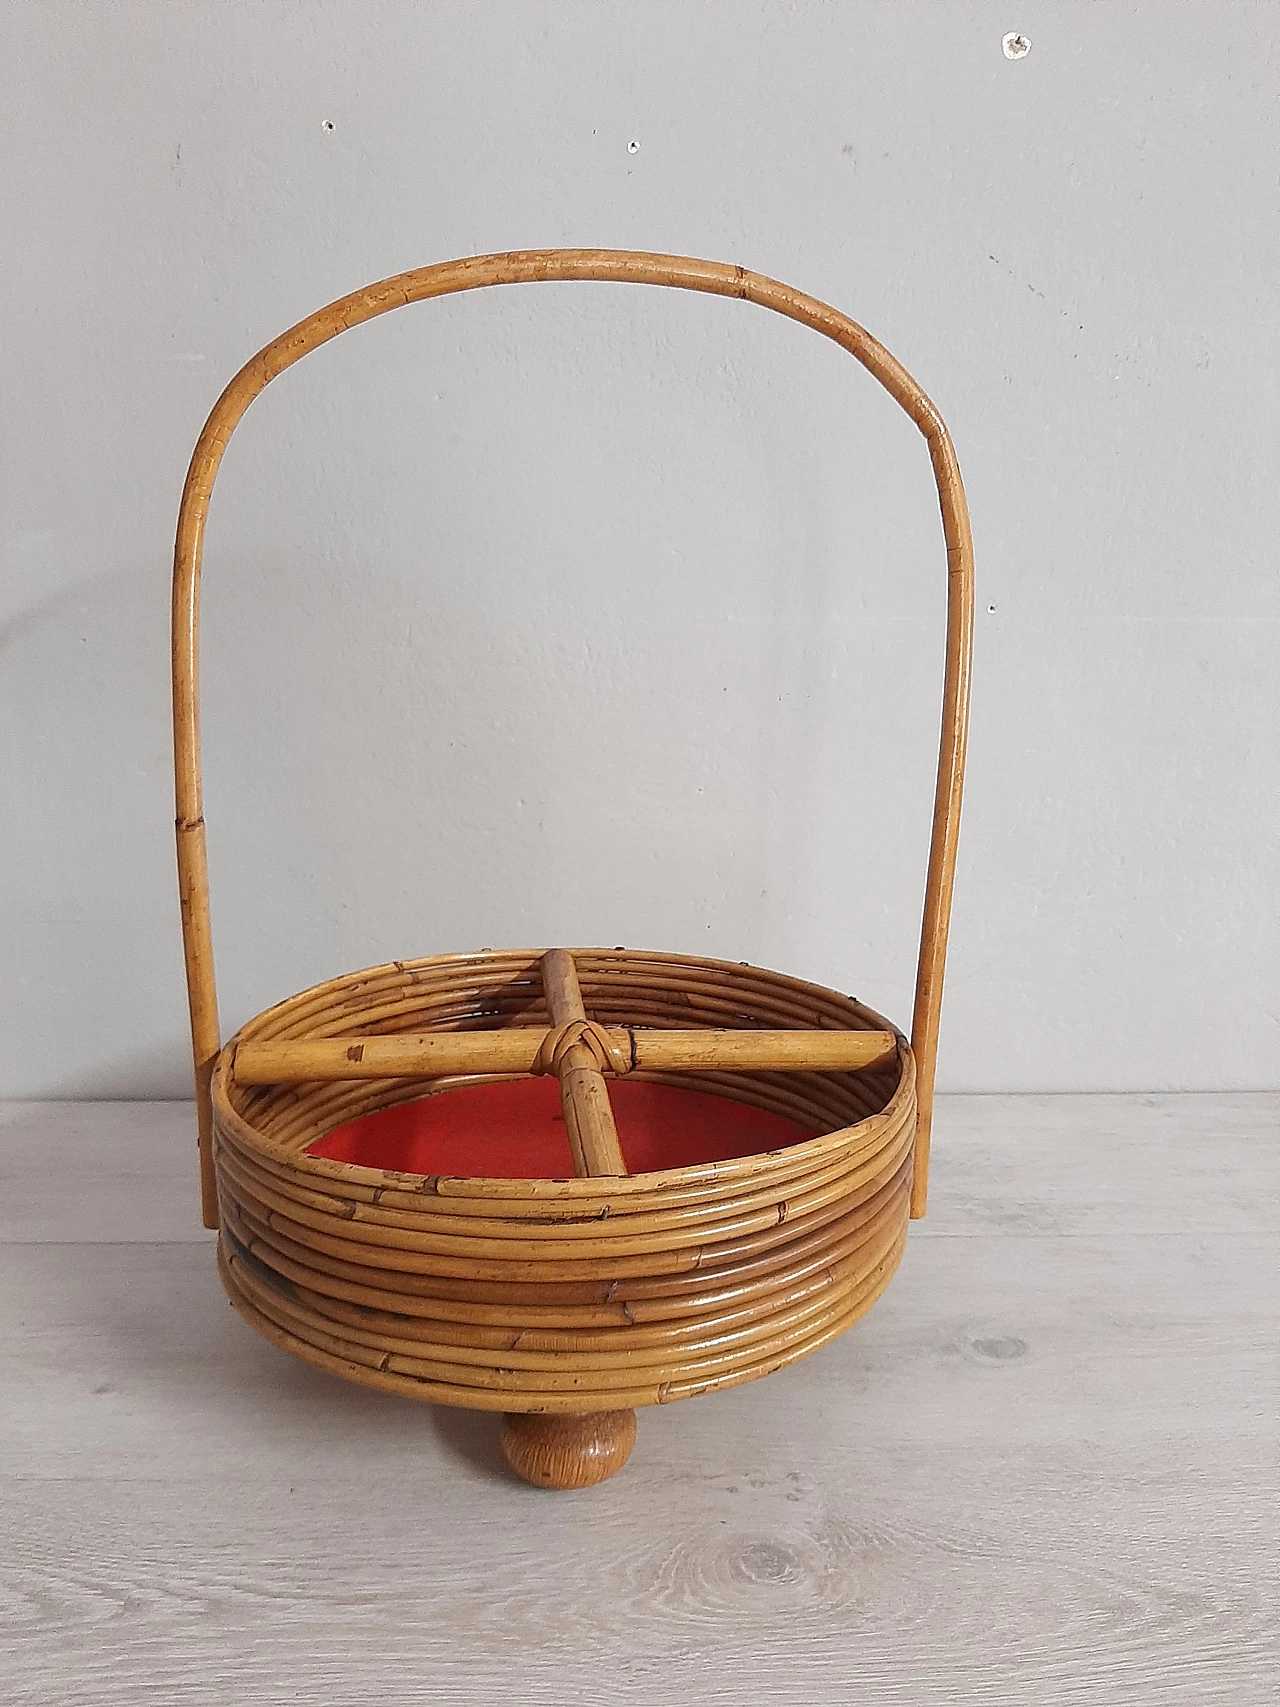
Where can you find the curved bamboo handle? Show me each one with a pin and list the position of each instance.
(625, 267)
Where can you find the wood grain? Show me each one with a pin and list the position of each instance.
(1039, 1472)
(567, 1453)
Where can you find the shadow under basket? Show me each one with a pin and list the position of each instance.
(562, 1184)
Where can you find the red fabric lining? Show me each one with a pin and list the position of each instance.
(515, 1130)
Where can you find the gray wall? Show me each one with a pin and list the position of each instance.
(589, 614)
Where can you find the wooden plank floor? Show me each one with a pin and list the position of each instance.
(1042, 1470)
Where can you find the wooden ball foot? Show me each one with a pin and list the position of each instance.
(576, 1450)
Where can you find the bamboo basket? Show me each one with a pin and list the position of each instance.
(563, 1303)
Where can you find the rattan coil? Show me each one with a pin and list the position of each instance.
(575, 1294)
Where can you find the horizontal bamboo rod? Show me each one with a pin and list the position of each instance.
(584, 1096)
(515, 1049)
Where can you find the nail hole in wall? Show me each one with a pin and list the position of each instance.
(633, 148)
(1016, 46)
(326, 124)
(991, 609)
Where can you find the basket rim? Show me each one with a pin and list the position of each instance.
(445, 1186)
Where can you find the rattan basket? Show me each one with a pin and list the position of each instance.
(563, 1303)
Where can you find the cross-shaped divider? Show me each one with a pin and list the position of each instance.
(580, 1053)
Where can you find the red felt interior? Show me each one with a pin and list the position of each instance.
(514, 1129)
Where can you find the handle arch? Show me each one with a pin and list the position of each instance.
(525, 267)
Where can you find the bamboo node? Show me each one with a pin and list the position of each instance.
(610, 1056)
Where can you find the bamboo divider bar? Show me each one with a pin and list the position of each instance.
(480, 272)
(584, 1096)
(517, 1049)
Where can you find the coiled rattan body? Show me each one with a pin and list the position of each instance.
(562, 1295)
